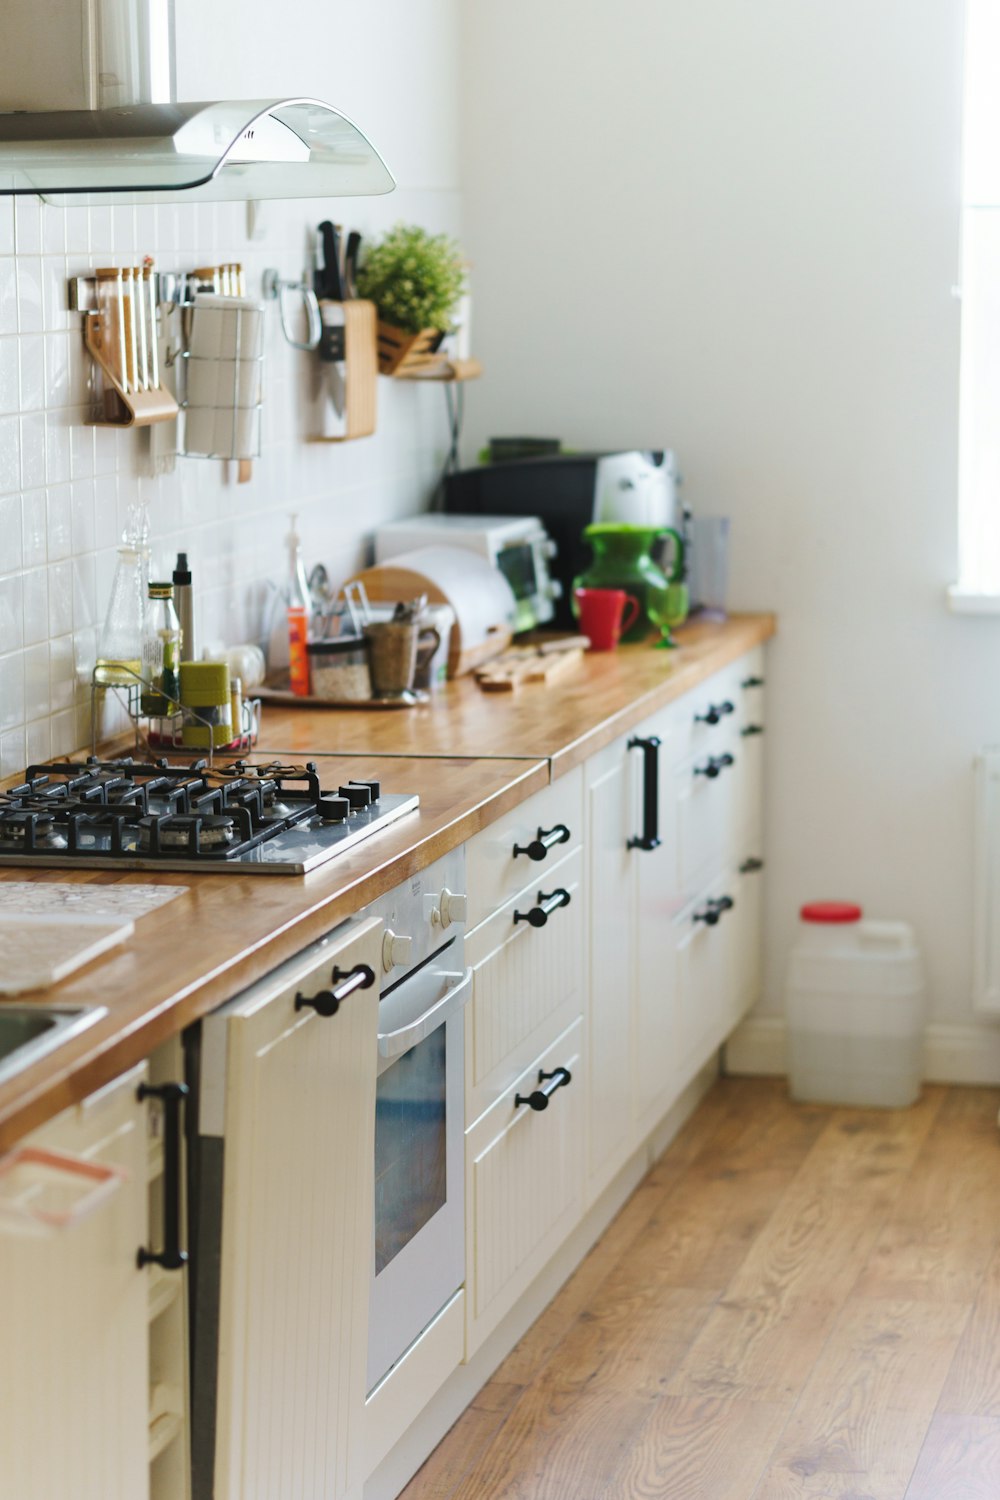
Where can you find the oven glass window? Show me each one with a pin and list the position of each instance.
(410, 1173)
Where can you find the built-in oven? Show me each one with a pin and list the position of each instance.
(418, 1239)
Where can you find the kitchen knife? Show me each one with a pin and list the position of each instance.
(330, 287)
(351, 264)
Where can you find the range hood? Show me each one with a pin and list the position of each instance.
(119, 135)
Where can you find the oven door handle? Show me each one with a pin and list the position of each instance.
(395, 1043)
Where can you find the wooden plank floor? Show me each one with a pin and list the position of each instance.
(798, 1303)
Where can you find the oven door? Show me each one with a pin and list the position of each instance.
(419, 1231)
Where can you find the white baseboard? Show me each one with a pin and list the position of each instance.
(967, 1054)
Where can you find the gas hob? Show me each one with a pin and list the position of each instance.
(243, 818)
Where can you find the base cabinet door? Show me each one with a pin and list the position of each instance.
(74, 1361)
(524, 1182)
(296, 1233)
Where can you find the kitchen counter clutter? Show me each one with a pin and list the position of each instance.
(505, 997)
(226, 930)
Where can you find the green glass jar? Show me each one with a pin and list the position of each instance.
(622, 560)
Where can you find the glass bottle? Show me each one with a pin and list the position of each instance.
(299, 611)
(119, 651)
(161, 652)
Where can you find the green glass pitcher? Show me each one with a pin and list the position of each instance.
(622, 560)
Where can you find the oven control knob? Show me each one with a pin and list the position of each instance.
(357, 794)
(452, 908)
(396, 950)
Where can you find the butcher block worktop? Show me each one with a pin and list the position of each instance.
(470, 756)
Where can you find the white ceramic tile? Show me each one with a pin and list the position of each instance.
(81, 448)
(84, 593)
(8, 294)
(58, 436)
(108, 448)
(59, 522)
(29, 294)
(60, 598)
(36, 606)
(6, 226)
(10, 386)
(82, 501)
(62, 673)
(11, 613)
(53, 229)
(37, 742)
(84, 653)
(123, 232)
(13, 757)
(10, 454)
(146, 242)
(31, 349)
(78, 231)
(33, 527)
(55, 314)
(11, 691)
(11, 551)
(101, 232)
(63, 728)
(28, 226)
(36, 681)
(32, 450)
(57, 369)
(106, 529)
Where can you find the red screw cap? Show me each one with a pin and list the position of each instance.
(830, 911)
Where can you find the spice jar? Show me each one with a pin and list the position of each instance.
(205, 691)
(338, 669)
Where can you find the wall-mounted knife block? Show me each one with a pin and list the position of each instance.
(121, 334)
(348, 353)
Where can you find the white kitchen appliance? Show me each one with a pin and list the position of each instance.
(519, 547)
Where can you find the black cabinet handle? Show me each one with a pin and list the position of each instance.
(539, 915)
(750, 729)
(714, 764)
(548, 1083)
(751, 866)
(713, 910)
(543, 842)
(715, 713)
(649, 838)
(344, 982)
(171, 1257)
(752, 682)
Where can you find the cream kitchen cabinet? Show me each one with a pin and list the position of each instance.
(672, 839)
(74, 1361)
(288, 1096)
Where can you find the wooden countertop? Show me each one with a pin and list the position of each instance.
(563, 724)
(470, 756)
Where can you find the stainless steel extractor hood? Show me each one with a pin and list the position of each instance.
(87, 86)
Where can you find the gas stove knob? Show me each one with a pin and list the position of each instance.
(396, 950)
(453, 908)
(357, 795)
(374, 787)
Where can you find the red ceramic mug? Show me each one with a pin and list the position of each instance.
(601, 615)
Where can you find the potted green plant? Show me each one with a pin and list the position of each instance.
(415, 280)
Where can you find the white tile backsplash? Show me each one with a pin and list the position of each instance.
(66, 486)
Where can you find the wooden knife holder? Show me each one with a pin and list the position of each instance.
(124, 408)
(358, 362)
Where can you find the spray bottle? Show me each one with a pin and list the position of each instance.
(299, 611)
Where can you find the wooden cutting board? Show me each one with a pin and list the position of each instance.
(515, 669)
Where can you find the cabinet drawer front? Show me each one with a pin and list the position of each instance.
(525, 1186)
(523, 976)
(495, 873)
(706, 817)
(705, 976)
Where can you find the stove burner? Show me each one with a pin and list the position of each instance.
(27, 829)
(188, 831)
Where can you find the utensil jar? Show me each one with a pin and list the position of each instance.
(395, 646)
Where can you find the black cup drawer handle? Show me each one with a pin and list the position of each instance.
(539, 915)
(545, 839)
(171, 1257)
(713, 910)
(714, 765)
(752, 682)
(751, 729)
(715, 713)
(548, 1083)
(649, 838)
(344, 982)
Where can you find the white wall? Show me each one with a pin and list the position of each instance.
(65, 487)
(733, 229)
